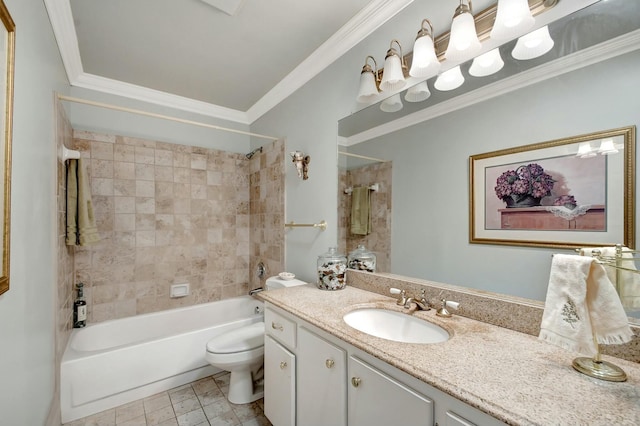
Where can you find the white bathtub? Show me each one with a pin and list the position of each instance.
(115, 362)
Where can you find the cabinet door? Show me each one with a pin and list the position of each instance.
(279, 383)
(322, 381)
(377, 399)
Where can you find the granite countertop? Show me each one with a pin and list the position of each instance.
(512, 376)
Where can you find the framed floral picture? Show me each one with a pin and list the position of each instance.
(565, 193)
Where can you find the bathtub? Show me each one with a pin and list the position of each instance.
(115, 362)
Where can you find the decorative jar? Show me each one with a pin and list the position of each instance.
(362, 260)
(332, 269)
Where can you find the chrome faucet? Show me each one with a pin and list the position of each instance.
(422, 304)
(404, 301)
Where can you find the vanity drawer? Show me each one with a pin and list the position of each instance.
(281, 328)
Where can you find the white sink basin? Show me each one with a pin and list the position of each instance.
(395, 326)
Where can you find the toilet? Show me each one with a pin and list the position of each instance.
(241, 352)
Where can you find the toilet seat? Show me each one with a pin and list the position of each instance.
(242, 339)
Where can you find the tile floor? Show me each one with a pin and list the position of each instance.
(200, 403)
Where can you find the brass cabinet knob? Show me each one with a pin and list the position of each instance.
(276, 326)
(355, 381)
(329, 363)
(283, 365)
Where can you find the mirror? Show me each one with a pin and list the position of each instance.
(585, 84)
(7, 45)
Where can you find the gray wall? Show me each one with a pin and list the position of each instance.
(26, 310)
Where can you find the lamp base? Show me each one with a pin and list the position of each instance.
(602, 370)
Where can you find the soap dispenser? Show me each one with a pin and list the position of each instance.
(79, 308)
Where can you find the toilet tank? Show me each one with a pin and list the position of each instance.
(277, 282)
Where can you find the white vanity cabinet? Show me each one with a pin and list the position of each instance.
(327, 381)
(321, 381)
(279, 369)
(378, 399)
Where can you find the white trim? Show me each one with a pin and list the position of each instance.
(601, 52)
(364, 23)
(353, 32)
(132, 91)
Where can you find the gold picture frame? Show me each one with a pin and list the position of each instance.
(566, 193)
(7, 46)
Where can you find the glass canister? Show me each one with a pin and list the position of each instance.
(362, 259)
(332, 270)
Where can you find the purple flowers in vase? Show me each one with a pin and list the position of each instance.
(568, 201)
(524, 186)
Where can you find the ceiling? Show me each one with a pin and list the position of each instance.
(230, 59)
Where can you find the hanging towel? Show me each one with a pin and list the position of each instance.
(360, 211)
(81, 223)
(582, 305)
(629, 285)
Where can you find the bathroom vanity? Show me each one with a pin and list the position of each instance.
(320, 371)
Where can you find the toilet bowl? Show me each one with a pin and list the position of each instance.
(241, 352)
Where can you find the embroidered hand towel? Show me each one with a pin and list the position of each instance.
(81, 224)
(361, 211)
(629, 285)
(582, 305)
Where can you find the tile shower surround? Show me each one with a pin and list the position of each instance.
(171, 213)
(379, 240)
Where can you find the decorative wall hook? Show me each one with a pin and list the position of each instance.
(302, 163)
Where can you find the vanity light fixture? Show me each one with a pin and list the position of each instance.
(512, 19)
(533, 45)
(607, 147)
(418, 93)
(392, 104)
(486, 64)
(394, 66)
(424, 63)
(449, 80)
(463, 40)
(368, 81)
(585, 151)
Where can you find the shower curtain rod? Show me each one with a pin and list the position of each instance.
(164, 117)
(364, 157)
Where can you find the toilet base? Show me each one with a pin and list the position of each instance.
(242, 389)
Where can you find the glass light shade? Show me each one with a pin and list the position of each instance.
(392, 104)
(463, 40)
(585, 151)
(418, 93)
(449, 80)
(512, 19)
(607, 147)
(392, 76)
(487, 64)
(368, 90)
(533, 45)
(425, 63)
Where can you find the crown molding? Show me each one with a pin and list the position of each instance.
(353, 32)
(601, 52)
(156, 97)
(364, 23)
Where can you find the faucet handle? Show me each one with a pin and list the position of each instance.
(403, 295)
(443, 312)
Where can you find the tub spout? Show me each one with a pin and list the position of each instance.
(255, 291)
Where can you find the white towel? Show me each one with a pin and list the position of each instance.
(582, 305)
(629, 284)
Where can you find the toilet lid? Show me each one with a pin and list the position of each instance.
(238, 340)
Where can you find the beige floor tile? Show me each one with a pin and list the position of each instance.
(104, 418)
(138, 421)
(227, 419)
(156, 402)
(246, 411)
(211, 396)
(161, 415)
(181, 393)
(186, 406)
(170, 422)
(192, 418)
(217, 409)
(129, 411)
